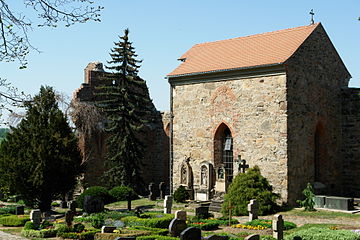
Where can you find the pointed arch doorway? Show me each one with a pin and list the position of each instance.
(223, 153)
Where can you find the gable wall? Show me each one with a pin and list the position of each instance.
(254, 108)
(315, 77)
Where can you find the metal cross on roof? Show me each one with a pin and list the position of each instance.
(242, 164)
(312, 16)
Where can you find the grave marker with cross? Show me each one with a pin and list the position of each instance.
(242, 164)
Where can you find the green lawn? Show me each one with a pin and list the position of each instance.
(319, 214)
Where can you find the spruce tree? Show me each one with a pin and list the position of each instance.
(127, 105)
(40, 159)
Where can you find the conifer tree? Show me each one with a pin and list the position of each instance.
(127, 105)
(40, 159)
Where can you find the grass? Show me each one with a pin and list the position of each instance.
(307, 226)
(320, 214)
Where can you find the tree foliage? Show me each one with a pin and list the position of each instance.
(247, 186)
(308, 203)
(39, 159)
(126, 103)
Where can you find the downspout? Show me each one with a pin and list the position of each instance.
(171, 155)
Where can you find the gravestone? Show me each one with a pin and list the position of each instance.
(72, 205)
(125, 238)
(215, 206)
(69, 218)
(253, 208)
(93, 204)
(35, 216)
(167, 204)
(152, 195)
(202, 212)
(278, 227)
(176, 227)
(216, 237)
(19, 210)
(107, 229)
(162, 189)
(63, 204)
(191, 233)
(253, 237)
(181, 215)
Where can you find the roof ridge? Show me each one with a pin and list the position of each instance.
(260, 34)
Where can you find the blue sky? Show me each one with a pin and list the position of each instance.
(163, 30)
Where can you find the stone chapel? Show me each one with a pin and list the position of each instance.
(278, 100)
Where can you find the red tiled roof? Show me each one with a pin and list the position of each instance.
(256, 50)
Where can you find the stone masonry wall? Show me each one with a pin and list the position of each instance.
(351, 141)
(316, 75)
(254, 109)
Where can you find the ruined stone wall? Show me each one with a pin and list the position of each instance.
(315, 77)
(254, 108)
(155, 167)
(351, 141)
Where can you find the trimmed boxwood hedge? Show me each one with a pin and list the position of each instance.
(127, 233)
(154, 231)
(43, 233)
(156, 237)
(153, 222)
(14, 220)
(88, 235)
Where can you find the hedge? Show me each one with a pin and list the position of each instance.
(112, 236)
(14, 220)
(156, 222)
(316, 233)
(43, 233)
(156, 237)
(88, 235)
(154, 231)
(205, 226)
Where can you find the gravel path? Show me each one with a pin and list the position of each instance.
(7, 236)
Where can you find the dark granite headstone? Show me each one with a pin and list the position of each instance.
(19, 210)
(162, 189)
(191, 233)
(176, 227)
(202, 212)
(152, 195)
(93, 204)
(253, 237)
(216, 237)
(107, 229)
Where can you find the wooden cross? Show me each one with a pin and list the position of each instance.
(230, 207)
(242, 164)
(312, 16)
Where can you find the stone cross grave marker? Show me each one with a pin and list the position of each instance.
(180, 214)
(19, 210)
(253, 208)
(253, 237)
(152, 195)
(242, 164)
(176, 226)
(35, 216)
(162, 189)
(278, 227)
(167, 204)
(191, 233)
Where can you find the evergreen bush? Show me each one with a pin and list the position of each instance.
(181, 195)
(247, 186)
(43, 233)
(120, 193)
(96, 191)
(30, 226)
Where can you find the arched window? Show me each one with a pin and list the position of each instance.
(227, 154)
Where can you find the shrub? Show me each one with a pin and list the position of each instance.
(45, 224)
(181, 195)
(120, 193)
(62, 228)
(308, 203)
(78, 227)
(95, 191)
(153, 231)
(30, 226)
(7, 209)
(205, 225)
(97, 221)
(247, 186)
(162, 221)
(43, 233)
(123, 233)
(87, 235)
(323, 234)
(156, 237)
(14, 220)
